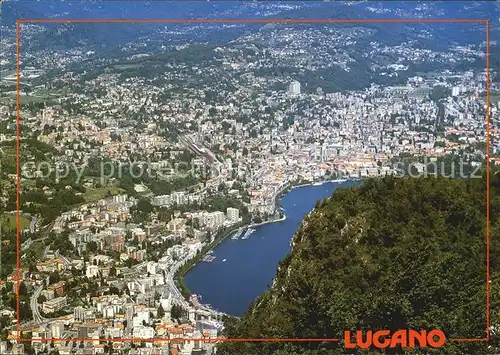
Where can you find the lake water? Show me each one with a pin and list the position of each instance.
(230, 286)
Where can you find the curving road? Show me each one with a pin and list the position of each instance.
(176, 294)
(37, 317)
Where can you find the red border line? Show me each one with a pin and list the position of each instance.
(206, 340)
(18, 172)
(18, 153)
(488, 180)
(251, 21)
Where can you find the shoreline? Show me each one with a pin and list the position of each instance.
(323, 182)
(183, 270)
(287, 187)
(281, 219)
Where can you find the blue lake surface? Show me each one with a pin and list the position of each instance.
(251, 264)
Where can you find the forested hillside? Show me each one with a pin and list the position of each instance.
(392, 254)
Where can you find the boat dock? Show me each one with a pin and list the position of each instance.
(208, 258)
(247, 233)
(237, 234)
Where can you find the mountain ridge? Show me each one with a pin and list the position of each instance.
(390, 254)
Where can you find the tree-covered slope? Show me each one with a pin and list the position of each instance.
(392, 254)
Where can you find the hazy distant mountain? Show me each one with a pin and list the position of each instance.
(104, 35)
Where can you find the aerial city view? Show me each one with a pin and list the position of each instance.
(249, 177)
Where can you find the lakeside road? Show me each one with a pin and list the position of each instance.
(177, 295)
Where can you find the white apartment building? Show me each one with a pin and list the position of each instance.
(214, 219)
(54, 304)
(56, 329)
(141, 315)
(119, 198)
(233, 214)
(294, 88)
(179, 197)
(161, 200)
(92, 271)
(143, 332)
